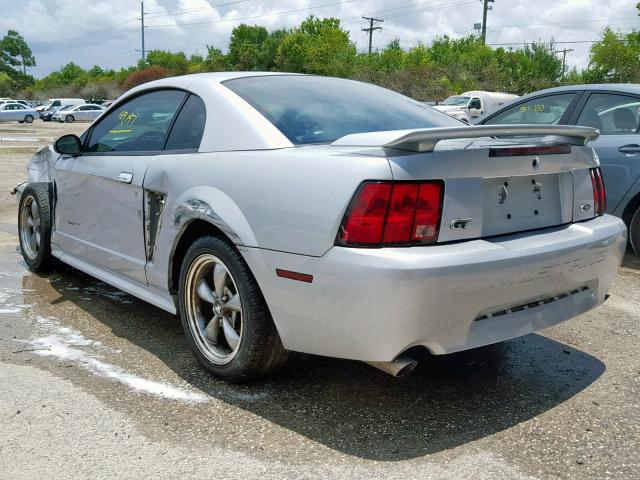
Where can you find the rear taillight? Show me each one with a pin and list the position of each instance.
(599, 197)
(393, 213)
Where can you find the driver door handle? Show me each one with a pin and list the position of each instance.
(125, 177)
(629, 149)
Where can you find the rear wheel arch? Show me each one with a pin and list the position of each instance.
(631, 217)
(190, 232)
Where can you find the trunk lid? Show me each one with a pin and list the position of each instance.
(530, 177)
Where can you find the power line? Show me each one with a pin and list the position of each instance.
(428, 9)
(209, 22)
(187, 11)
(371, 28)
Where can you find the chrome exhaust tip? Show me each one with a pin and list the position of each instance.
(399, 367)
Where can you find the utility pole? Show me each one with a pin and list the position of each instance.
(485, 9)
(371, 28)
(564, 58)
(142, 29)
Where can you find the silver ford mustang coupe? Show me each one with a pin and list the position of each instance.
(279, 212)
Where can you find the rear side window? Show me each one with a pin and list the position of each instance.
(541, 110)
(139, 125)
(186, 133)
(610, 113)
(310, 109)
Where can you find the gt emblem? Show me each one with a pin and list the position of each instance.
(460, 223)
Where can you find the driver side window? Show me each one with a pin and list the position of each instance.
(139, 125)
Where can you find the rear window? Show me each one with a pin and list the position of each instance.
(309, 109)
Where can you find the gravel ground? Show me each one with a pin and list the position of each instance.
(97, 384)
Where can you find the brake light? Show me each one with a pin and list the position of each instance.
(526, 151)
(393, 213)
(599, 196)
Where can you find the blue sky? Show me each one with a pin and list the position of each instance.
(107, 33)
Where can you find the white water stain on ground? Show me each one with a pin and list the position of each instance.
(8, 304)
(65, 347)
(64, 343)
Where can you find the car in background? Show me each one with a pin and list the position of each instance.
(70, 113)
(54, 104)
(280, 212)
(23, 102)
(17, 112)
(614, 109)
(474, 104)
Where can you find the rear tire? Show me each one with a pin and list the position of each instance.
(69, 119)
(226, 322)
(34, 227)
(634, 232)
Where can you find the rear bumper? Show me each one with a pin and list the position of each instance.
(372, 304)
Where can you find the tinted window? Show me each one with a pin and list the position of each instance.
(189, 127)
(56, 103)
(611, 114)
(541, 110)
(309, 109)
(139, 125)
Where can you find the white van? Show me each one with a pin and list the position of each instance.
(474, 103)
(52, 105)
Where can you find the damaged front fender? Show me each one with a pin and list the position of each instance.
(40, 166)
(39, 170)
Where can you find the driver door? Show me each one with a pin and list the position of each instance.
(99, 213)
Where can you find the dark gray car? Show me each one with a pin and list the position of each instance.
(611, 108)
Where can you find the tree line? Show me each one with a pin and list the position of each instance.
(321, 46)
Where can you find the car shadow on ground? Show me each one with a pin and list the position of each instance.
(353, 408)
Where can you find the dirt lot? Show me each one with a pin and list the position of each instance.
(96, 384)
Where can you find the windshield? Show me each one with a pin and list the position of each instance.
(67, 107)
(310, 109)
(456, 100)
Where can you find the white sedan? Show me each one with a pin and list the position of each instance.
(87, 112)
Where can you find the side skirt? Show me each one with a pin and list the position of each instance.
(144, 292)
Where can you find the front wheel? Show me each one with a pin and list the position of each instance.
(69, 119)
(28, 119)
(224, 315)
(34, 227)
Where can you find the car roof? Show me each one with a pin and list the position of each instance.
(616, 87)
(183, 81)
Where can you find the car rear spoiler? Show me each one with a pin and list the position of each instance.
(425, 140)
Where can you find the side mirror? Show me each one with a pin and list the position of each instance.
(68, 145)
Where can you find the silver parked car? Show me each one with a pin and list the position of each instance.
(87, 112)
(280, 212)
(17, 112)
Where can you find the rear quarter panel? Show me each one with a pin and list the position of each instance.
(290, 200)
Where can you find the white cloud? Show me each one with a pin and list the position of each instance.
(107, 33)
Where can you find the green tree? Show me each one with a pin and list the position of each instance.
(175, 63)
(318, 46)
(15, 52)
(245, 46)
(615, 58)
(6, 85)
